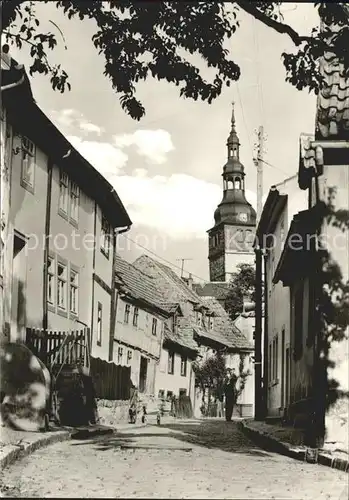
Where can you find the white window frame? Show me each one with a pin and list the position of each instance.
(135, 316)
(184, 363)
(28, 154)
(127, 314)
(74, 288)
(105, 240)
(99, 323)
(74, 197)
(51, 280)
(63, 188)
(171, 357)
(154, 326)
(120, 355)
(64, 281)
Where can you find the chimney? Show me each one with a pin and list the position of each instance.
(190, 281)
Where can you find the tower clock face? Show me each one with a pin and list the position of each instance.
(243, 217)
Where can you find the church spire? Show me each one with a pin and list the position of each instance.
(233, 143)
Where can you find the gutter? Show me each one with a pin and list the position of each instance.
(113, 301)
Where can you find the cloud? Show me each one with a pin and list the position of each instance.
(71, 121)
(106, 158)
(179, 206)
(154, 145)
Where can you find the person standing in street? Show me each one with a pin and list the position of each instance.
(230, 394)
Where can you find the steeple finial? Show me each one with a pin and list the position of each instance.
(233, 117)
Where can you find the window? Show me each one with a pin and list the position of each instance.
(169, 395)
(174, 323)
(28, 164)
(51, 281)
(154, 325)
(105, 237)
(270, 375)
(127, 313)
(120, 354)
(237, 183)
(74, 290)
(99, 324)
(210, 323)
(62, 286)
(183, 366)
(198, 318)
(129, 357)
(161, 394)
(135, 316)
(74, 202)
(171, 363)
(275, 358)
(63, 193)
(239, 235)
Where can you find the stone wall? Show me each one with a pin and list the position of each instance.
(112, 412)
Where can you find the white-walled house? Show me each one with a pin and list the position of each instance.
(61, 236)
(205, 324)
(283, 201)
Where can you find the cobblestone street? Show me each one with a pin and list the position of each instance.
(210, 459)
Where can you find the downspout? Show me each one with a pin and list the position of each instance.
(113, 301)
(258, 338)
(265, 343)
(93, 272)
(47, 250)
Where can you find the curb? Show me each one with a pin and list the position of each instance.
(272, 444)
(17, 452)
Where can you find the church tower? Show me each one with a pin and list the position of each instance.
(231, 237)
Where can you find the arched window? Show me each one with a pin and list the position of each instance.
(237, 183)
(233, 152)
(230, 184)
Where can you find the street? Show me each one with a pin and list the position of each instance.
(195, 459)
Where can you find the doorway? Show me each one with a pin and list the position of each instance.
(143, 374)
(18, 302)
(287, 378)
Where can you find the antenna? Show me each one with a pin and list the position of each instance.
(258, 161)
(183, 260)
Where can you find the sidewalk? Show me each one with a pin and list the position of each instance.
(289, 441)
(18, 444)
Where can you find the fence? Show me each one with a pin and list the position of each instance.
(110, 381)
(61, 347)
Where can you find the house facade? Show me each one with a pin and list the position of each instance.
(202, 325)
(62, 222)
(314, 269)
(283, 201)
(141, 314)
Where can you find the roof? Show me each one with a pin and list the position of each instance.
(183, 337)
(272, 207)
(297, 256)
(179, 290)
(140, 286)
(29, 119)
(224, 329)
(219, 290)
(332, 120)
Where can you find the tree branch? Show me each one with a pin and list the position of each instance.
(282, 28)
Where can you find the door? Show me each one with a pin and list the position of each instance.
(18, 302)
(283, 369)
(287, 378)
(143, 374)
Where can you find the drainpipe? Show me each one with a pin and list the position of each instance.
(47, 249)
(265, 342)
(113, 302)
(258, 403)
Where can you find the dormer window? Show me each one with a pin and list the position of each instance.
(210, 323)
(174, 323)
(199, 318)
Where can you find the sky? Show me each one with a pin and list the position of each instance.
(167, 167)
